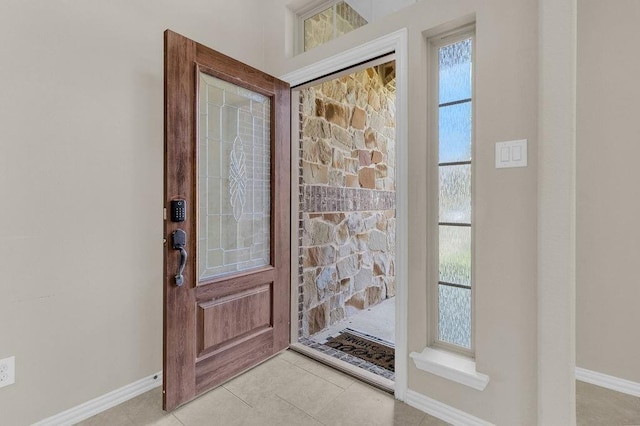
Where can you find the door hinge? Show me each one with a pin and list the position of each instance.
(164, 213)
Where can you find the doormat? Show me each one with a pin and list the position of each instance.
(368, 348)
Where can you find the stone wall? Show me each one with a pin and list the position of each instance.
(347, 197)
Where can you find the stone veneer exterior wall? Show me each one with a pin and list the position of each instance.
(347, 198)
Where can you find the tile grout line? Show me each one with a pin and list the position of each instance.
(333, 370)
(243, 401)
(330, 402)
(322, 407)
(329, 381)
(296, 407)
(177, 419)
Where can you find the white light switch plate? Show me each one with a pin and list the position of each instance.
(511, 154)
(7, 371)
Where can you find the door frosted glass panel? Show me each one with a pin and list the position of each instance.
(454, 315)
(233, 178)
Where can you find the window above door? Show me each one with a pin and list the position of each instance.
(320, 21)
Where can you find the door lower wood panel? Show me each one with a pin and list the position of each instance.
(235, 317)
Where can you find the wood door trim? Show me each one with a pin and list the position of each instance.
(234, 71)
(232, 79)
(179, 183)
(221, 289)
(281, 196)
(245, 274)
(257, 334)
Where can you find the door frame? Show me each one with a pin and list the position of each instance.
(395, 42)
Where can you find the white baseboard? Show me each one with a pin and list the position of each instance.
(102, 403)
(443, 411)
(415, 399)
(609, 382)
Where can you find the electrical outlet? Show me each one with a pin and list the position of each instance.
(7, 371)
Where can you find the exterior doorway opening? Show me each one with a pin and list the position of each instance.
(346, 232)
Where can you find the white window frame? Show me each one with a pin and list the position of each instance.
(433, 273)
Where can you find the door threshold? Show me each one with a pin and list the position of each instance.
(368, 377)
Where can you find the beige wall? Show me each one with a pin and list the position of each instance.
(81, 171)
(81, 139)
(506, 199)
(608, 201)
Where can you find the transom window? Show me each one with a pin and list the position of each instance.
(334, 21)
(321, 21)
(454, 76)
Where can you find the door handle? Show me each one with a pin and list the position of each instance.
(179, 241)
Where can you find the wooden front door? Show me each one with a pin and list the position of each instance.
(227, 229)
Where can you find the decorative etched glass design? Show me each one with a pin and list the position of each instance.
(455, 194)
(237, 179)
(233, 178)
(455, 124)
(455, 315)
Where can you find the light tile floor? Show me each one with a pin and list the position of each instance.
(598, 406)
(289, 389)
(292, 390)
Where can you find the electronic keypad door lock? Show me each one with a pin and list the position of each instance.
(179, 242)
(178, 210)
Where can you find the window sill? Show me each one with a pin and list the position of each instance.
(457, 368)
